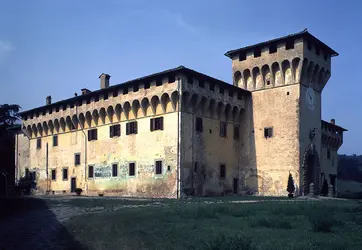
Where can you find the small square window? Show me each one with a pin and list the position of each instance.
(221, 90)
(90, 171)
(105, 96)
(268, 132)
(158, 82)
(242, 56)
(65, 174)
(272, 49)
(131, 128)
(236, 133)
(211, 86)
(222, 171)
(171, 78)
(158, 167)
(115, 93)
(55, 140)
(54, 174)
(38, 143)
(199, 125)
(223, 129)
(135, 88)
(156, 123)
(57, 109)
(201, 83)
(88, 101)
(132, 169)
(114, 170)
(190, 79)
(114, 130)
(96, 99)
(92, 135)
(257, 52)
(289, 45)
(147, 85)
(72, 105)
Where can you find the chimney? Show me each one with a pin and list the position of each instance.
(85, 91)
(48, 100)
(333, 121)
(104, 80)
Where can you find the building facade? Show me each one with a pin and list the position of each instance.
(180, 132)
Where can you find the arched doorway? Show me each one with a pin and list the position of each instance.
(311, 170)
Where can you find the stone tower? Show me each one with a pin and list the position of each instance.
(286, 77)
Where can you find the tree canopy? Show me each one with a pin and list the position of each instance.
(9, 114)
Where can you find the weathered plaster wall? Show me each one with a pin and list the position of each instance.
(22, 153)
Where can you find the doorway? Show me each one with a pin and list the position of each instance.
(73, 184)
(235, 185)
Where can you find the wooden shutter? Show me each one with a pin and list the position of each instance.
(111, 131)
(127, 128)
(152, 124)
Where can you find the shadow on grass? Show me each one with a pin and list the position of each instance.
(28, 223)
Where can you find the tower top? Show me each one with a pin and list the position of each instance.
(290, 37)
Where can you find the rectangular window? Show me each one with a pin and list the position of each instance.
(289, 45)
(77, 159)
(236, 133)
(156, 123)
(158, 82)
(115, 93)
(268, 132)
(257, 52)
(54, 174)
(328, 154)
(223, 129)
(199, 125)
(190, 79)
(222, 171)
(114, 170)
(96, 98)
(211, 86)
(147, 85)
(92, 134)
(201, 83)
(158, 167)
(38, 143)
(114, 130)
(65, 174)
(90, 171)
(57, 109)
(171, 78)
(105, 96)
(135, 88)
(132, 169)
(272, 49)
(242, 56)
(131, 128)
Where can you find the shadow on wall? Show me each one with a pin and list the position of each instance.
(28, 223)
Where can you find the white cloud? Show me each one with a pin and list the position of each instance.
(6, 46)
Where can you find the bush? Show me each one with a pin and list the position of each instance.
(290, 187)
(324, 190)
(275, 222)
(322, 220)
(229, 241)
(78, 191)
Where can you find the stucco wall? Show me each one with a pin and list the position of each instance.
(22, 153)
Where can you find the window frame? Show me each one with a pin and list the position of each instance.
(55, 174)
(236, 136)
(267, 134)
(65, 179)
(156, 123)
(90, 166)
(199, 124)
(129, 169)
(223, 132)
(75, 159)
(116, 167)
(113, 130)
(55, 139)
(132, 128)
(93, 134)
(38, 143)
(220, 171)
(156, 173)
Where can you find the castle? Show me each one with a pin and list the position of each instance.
(180, 132)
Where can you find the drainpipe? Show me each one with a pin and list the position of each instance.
(47, 165)
(85, 149)
(178, 138)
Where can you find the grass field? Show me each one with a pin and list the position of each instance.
(222, 225)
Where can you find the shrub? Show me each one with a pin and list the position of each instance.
(290, 187)
(322, 220)
(275, 222)
(78, 191)
(324, 190)
(229, 241)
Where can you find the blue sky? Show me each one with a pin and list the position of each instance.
(58, 47)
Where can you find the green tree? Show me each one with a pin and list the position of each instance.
(291, 187)
(324, 190)
(9, 114)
